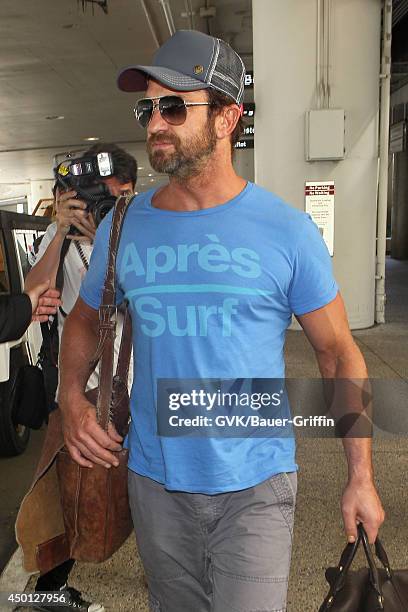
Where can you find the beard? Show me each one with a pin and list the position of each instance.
(188, 158)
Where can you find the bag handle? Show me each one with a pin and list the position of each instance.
(374, 578)
(348, 555)
(107, 321)
(346, 560)
(382, 556)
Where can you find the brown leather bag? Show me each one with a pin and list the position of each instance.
(95, 501)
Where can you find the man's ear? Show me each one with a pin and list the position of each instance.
(227, 120)
(127, 188)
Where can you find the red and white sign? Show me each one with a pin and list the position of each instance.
(319, 203)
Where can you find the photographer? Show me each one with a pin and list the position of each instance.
(75, 221)
(72, 212)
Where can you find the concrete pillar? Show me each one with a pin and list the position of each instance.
(244, 164)
(285, 74)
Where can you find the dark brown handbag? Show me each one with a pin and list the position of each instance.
(95, 501)
(369, 589)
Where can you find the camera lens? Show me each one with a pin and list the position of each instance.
(101, 209)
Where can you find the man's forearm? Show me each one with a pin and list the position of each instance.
(47, 266)
(348, 398)
(349, 393)
(78, 346)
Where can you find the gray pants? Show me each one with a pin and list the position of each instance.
(228, 552)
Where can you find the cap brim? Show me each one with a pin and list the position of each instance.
(134, 78)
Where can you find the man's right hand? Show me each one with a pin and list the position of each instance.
(44, 301)
(84, 438)
(72, 212)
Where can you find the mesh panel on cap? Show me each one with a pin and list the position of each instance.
(228, 75)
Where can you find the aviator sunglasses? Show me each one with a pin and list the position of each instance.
(173, 109)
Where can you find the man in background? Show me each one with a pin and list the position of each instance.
(71, 212)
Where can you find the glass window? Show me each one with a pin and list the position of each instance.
(27, 242)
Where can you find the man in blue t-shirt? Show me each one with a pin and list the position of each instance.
(213, 267)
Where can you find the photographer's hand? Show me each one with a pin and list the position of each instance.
(87, 228)
(71, 211)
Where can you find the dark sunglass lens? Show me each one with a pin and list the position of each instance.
(143, 111)
(173, 110)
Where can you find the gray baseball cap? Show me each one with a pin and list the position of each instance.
(188, 61)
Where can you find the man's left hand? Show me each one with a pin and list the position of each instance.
(361, 504)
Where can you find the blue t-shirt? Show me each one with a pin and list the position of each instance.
(211, 294)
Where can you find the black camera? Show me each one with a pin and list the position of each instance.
(84, 175)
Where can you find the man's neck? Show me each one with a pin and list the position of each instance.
(217, 184)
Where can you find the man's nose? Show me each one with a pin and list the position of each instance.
(157, 123)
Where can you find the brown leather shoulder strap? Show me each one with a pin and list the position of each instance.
(107, 319)
(121, 206)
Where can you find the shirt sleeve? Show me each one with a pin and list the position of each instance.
(92, 284)
(313, 284)
(15, 316)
